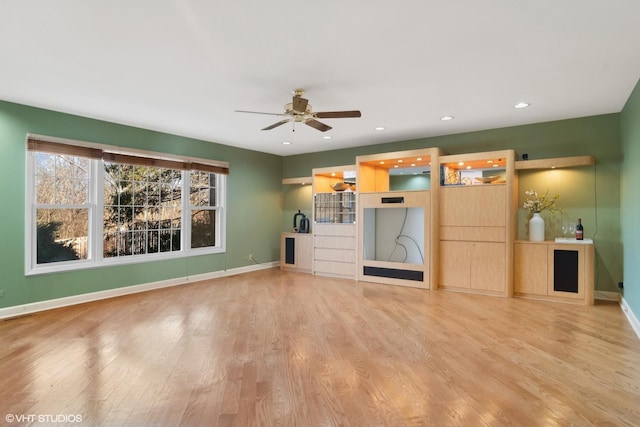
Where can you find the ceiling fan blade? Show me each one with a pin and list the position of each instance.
(316, 124)
(275, 125)
(299, 104)
(259, 112)
(338, 114)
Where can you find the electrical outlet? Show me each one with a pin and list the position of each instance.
(1, 293)
(620, 285)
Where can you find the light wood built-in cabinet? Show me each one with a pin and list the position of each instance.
(394, 247)
(334, 219)
(477, 222)
(296, 252)
(397, 229)
(554, 271)
(459, 234)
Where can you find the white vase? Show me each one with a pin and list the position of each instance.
(536, 228)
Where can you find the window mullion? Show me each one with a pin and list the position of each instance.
(186, 212)
(97, 201)
(31, 244)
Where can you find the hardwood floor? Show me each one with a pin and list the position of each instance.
(281, 348)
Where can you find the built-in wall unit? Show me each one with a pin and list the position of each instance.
(334, 221)
(296, 244)
(477, 222)
(559, 268)
(396, 226)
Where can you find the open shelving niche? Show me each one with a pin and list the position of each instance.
(562, 270)
(397, 227)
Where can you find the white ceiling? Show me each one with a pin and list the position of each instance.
(184, 66)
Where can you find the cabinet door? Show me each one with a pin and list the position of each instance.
(566, 271)
(530, 269)
(304, 252)
(473, 206)
(455, 264)
(488, 266)
(296, 251)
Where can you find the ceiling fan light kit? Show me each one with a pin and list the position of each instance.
(299, 111)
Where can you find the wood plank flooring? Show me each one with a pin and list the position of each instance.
(275, 348)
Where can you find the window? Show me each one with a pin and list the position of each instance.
(203, 200)
(89, 206)
(61, 207)
(142, 210)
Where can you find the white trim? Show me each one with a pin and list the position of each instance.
(24, 309)
(631, 317)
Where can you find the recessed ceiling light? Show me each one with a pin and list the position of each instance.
(446, 118)
(468, 167)
(495, 165)
(400, 161)
(286, 143)
(413, 164)
(382, 163)
(419, 159)
(395, 166)
(379, 128)
(326, 137)
(333, 174)
(460, 163)
(521, 105)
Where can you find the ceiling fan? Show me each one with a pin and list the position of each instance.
(299, 111)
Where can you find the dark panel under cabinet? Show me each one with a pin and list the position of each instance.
(565, 271)
(289, 250)
(394, 273)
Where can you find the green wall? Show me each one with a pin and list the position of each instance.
(254, 210)
(630, 124)
(592, 193)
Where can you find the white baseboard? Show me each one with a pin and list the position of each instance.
(34, 307)
(633, 320)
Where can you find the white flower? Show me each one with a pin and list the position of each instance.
(536, 203)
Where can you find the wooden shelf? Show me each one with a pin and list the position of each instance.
(560, 162)
(304, 180)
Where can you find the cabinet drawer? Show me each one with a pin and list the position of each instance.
(333, 268)
(334, 229)
(340, 255)
(335, 242)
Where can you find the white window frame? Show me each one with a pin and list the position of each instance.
(95, 205)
